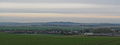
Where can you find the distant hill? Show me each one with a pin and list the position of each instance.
(57, 24)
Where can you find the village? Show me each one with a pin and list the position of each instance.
(87, 32)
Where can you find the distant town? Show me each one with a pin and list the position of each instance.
(62, 28)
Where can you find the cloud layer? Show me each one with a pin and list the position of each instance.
(60, 10)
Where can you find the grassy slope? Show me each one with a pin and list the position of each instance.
(6, 39)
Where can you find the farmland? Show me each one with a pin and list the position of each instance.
(40, 39)
(62, 34)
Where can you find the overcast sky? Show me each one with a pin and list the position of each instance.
(82, 11)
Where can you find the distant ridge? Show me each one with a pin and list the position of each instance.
(56, 24)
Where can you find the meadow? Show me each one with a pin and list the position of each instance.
(40, 39)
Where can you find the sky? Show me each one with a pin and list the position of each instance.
(80, 11)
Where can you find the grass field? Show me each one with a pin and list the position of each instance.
(12, 39)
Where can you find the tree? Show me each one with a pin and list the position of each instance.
(102, 30)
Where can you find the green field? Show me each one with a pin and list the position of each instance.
(12, 39)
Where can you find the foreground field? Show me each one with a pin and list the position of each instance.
(10, 39)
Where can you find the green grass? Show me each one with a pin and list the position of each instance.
(12, 39)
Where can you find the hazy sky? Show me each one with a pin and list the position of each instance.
(82, 11)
